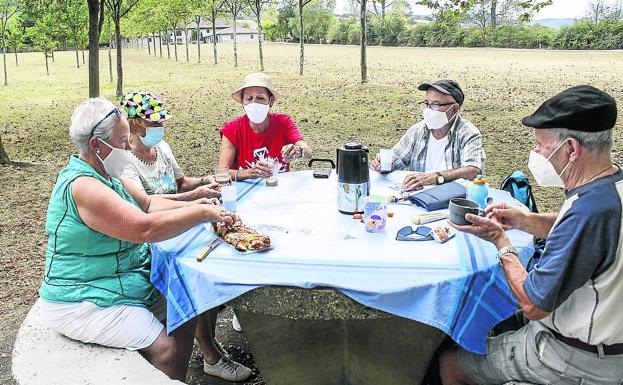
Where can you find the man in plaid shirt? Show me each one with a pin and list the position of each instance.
(444, 146)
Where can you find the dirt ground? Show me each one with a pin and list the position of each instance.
(329, 104)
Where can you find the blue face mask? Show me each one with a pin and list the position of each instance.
(153, 136)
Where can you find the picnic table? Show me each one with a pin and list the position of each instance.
(331, 303)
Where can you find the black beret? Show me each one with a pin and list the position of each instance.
(448, 87)
(579, 108)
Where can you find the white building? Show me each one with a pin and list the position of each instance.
(224, 32)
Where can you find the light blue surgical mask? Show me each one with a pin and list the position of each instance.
(153, 136)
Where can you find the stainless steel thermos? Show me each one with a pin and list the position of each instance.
(353, 177)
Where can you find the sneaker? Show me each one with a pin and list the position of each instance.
(236, 324)
(227, 369)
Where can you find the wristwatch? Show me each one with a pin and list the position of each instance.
(504, 250)
(440, 178)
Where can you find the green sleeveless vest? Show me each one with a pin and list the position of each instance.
(82, 264)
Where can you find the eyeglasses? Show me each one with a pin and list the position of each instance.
(434, 105)
(114, 111)
(421, 233)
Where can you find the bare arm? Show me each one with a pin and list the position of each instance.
(467, 172)
(226, 158)
(516, 276)
(417, 180)
(509, 218)
(186, 183)
(106, 212)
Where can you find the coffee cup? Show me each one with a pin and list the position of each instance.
(459, 207)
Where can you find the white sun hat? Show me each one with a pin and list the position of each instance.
(256, 79)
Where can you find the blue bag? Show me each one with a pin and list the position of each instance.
(518, 185)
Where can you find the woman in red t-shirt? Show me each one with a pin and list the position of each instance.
(247, 140)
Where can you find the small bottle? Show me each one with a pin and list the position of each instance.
(478, 191)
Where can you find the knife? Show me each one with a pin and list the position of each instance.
(210, 247)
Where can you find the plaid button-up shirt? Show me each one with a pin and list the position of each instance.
(464, 147)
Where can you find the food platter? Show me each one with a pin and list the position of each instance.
(243, 239)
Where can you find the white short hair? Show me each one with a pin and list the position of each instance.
(86, 116)
(595, 142)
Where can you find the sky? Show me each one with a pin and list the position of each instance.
(560, 9)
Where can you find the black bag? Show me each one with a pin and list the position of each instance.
(438, 197)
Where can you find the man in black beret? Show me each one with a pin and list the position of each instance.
(574, 296)
(442, 147)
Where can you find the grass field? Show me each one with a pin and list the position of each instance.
(501, 86)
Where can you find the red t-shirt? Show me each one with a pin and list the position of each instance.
(250, 146)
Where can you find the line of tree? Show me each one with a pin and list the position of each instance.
(485, 23)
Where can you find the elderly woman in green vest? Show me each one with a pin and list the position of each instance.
(96, 285)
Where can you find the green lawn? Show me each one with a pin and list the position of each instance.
(501, 86)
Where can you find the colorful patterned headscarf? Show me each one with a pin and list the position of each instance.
(144, 105)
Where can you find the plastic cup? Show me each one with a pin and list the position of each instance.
(375, 213)
(386, 156)
(229, 196)
(221, 175)
(273, 180)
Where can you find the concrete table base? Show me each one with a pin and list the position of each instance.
(332, 340)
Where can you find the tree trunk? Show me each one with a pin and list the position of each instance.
(94, 36)
(214, 35)
(153, 40)
(47, 68)
(160, 43)
(53, 60)
(117, 21)
(175, 40)
(77, 57)
(16, 62)
(382, 32)
(364, 62)
(186, 40)
(149, 47)
(110, 51)
(259, 37)
(6, 78)
(167, 44)
(301, 38)
(235, 38)
(82, 56)
(198, 20)
(4, 158)
(494, 21)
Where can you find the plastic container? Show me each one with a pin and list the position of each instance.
(228, 196)
(478, 191)
(375, 213)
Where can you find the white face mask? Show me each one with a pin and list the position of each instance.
(257, 112)
(436, 119)
(543, 170)
(116, 161)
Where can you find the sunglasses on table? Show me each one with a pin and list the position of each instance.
(420, 233)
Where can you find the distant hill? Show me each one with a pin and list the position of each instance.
(554, 23)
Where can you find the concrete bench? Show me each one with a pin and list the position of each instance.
(42, 356)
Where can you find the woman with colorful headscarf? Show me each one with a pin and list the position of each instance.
(153, 167)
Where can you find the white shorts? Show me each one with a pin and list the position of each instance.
(119, 326)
